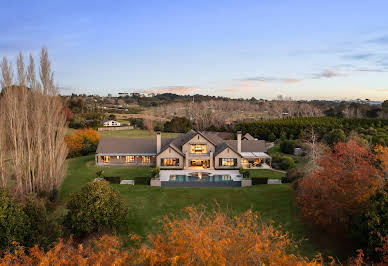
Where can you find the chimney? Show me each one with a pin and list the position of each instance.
(158, 141)
(239, 141)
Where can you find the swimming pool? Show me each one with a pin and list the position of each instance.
(200, 177)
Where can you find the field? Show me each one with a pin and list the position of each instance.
(133, 133)
(148, 205)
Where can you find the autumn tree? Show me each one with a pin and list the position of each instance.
(83, 141)
(34, 125)
(340, 187)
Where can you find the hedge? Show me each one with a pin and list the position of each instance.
(259, 180)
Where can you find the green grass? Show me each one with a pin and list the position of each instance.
(148, 205)
(257, 173)
(132, 133)
(299, 160)
(81, 170)
(135, 133)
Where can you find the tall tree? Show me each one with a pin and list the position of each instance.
(340, 187)
(35, 125)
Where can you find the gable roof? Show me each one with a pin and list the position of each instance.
(248, 136)
(222, 146)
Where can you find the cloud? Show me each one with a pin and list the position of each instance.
(183, 90)
(380, 40)
(328, 73)
(359, 56)
(383, 90)
(272, 79)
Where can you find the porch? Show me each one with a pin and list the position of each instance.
(256, 160)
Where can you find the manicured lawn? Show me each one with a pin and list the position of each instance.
(148, 205)
(81, 170)
(255, 173)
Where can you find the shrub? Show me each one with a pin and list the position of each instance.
(14, 224)
(287, 146)
(178, 125)
(372, 224)
(142, 180)
(113, 179)
(97, 207)
(259, 180)
(42, 231)
(244, 172)
(155, 172)
(334, 136)
(287, 163)
(293, 175)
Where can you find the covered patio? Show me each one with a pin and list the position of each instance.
(256, 160)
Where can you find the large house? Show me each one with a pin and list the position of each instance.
(200, 150)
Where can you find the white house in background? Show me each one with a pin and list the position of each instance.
(111, 123)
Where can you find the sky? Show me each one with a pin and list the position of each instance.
(301, 49)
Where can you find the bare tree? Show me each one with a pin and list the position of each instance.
(35, 125)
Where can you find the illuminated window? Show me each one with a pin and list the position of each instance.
(145, 159)
(198, 148)
(106, 159)
(228, 161)
(129, 159)
(118, 157)
(244, 161)
(170, 162)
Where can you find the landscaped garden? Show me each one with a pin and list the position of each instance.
(148, 205)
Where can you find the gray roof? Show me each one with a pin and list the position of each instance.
(128, 145)
(148, 145)
(248, 145)
(248, 136)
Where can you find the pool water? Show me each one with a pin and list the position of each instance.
(200, 177)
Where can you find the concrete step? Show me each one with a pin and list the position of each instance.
(274, 181)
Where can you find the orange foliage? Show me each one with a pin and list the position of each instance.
(104, 251)
(77, 141)
(382, 156)
(200, 239)
(340, 187)
(217, 239)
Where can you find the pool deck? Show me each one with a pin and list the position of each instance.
(164, 175)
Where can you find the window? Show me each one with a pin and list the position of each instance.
(198, 148)
(170, 162)
(145, 159)
(228, 161)
(106, 159)
(129, 159)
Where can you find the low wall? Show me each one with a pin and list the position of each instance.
(246, 182)
(155, 182)
(115, 128)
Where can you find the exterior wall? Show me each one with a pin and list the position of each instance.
(121, 160)
(112, 124)
(227, 153)
(170, 153)
(198, 139)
